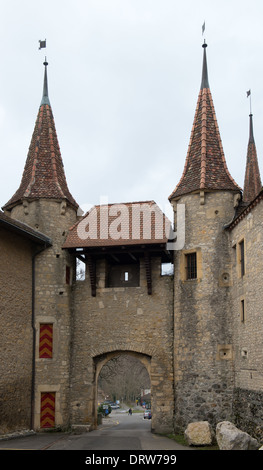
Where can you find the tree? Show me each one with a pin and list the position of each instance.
(123, 377)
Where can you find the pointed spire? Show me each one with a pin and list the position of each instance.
(204, 82)
(252, 182)
(205, 166)
(45, 98)
(43, 175)
(251, 133)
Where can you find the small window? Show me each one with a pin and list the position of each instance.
(242, 257)
(191, 266)
(120, 275)
(242, 311)
(80, 270)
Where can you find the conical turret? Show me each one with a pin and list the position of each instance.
(205, 167)
(43, 175)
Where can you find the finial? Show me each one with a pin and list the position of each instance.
(251, 133)
(45, 98)
(204, 82)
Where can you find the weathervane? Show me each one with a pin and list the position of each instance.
(42, 44)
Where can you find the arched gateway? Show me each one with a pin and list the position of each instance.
(118, 307)
(103, 359)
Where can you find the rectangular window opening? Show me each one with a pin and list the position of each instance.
(80, 270)
(242, 312)
(191, 266)
(242, 257)
(123, 275)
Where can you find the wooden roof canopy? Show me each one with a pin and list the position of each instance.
(120, 233)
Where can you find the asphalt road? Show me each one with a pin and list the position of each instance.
(118, 432)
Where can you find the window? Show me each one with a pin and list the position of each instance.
(191, 266)
(120, 275)
(242, 311)
(242, 258)
(46, 341)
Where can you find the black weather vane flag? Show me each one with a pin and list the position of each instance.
(42, 44)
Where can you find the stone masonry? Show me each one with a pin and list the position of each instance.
(202, 333)
(123, 320)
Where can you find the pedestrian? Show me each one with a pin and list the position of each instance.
(130, 411)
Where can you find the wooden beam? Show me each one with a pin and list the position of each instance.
(91, 263)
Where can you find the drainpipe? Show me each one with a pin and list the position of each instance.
(34, 335)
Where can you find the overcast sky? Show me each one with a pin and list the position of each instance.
(124, 77)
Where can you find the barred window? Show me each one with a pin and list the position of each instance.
(191, 266)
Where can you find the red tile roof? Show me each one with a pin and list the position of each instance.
(120, 224)
(23, 230)
(205, 166)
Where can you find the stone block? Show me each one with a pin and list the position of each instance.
(80, 428)
(199, 433)
(229, 437)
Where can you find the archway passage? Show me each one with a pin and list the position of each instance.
(123, 376)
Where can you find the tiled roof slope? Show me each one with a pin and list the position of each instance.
(23, 230)
(115, 225)
(252, 182)
(205, 166)
(43, 175)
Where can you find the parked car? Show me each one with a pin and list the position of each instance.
(147, 414)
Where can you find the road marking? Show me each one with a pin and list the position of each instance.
(13, 448)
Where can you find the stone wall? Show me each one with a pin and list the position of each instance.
(203, 351)
(248, 411)
(16, 331)
(247, 299)
(127, 320)
(52, 303)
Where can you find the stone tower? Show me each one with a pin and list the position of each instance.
(43, 201)
(202, 273)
